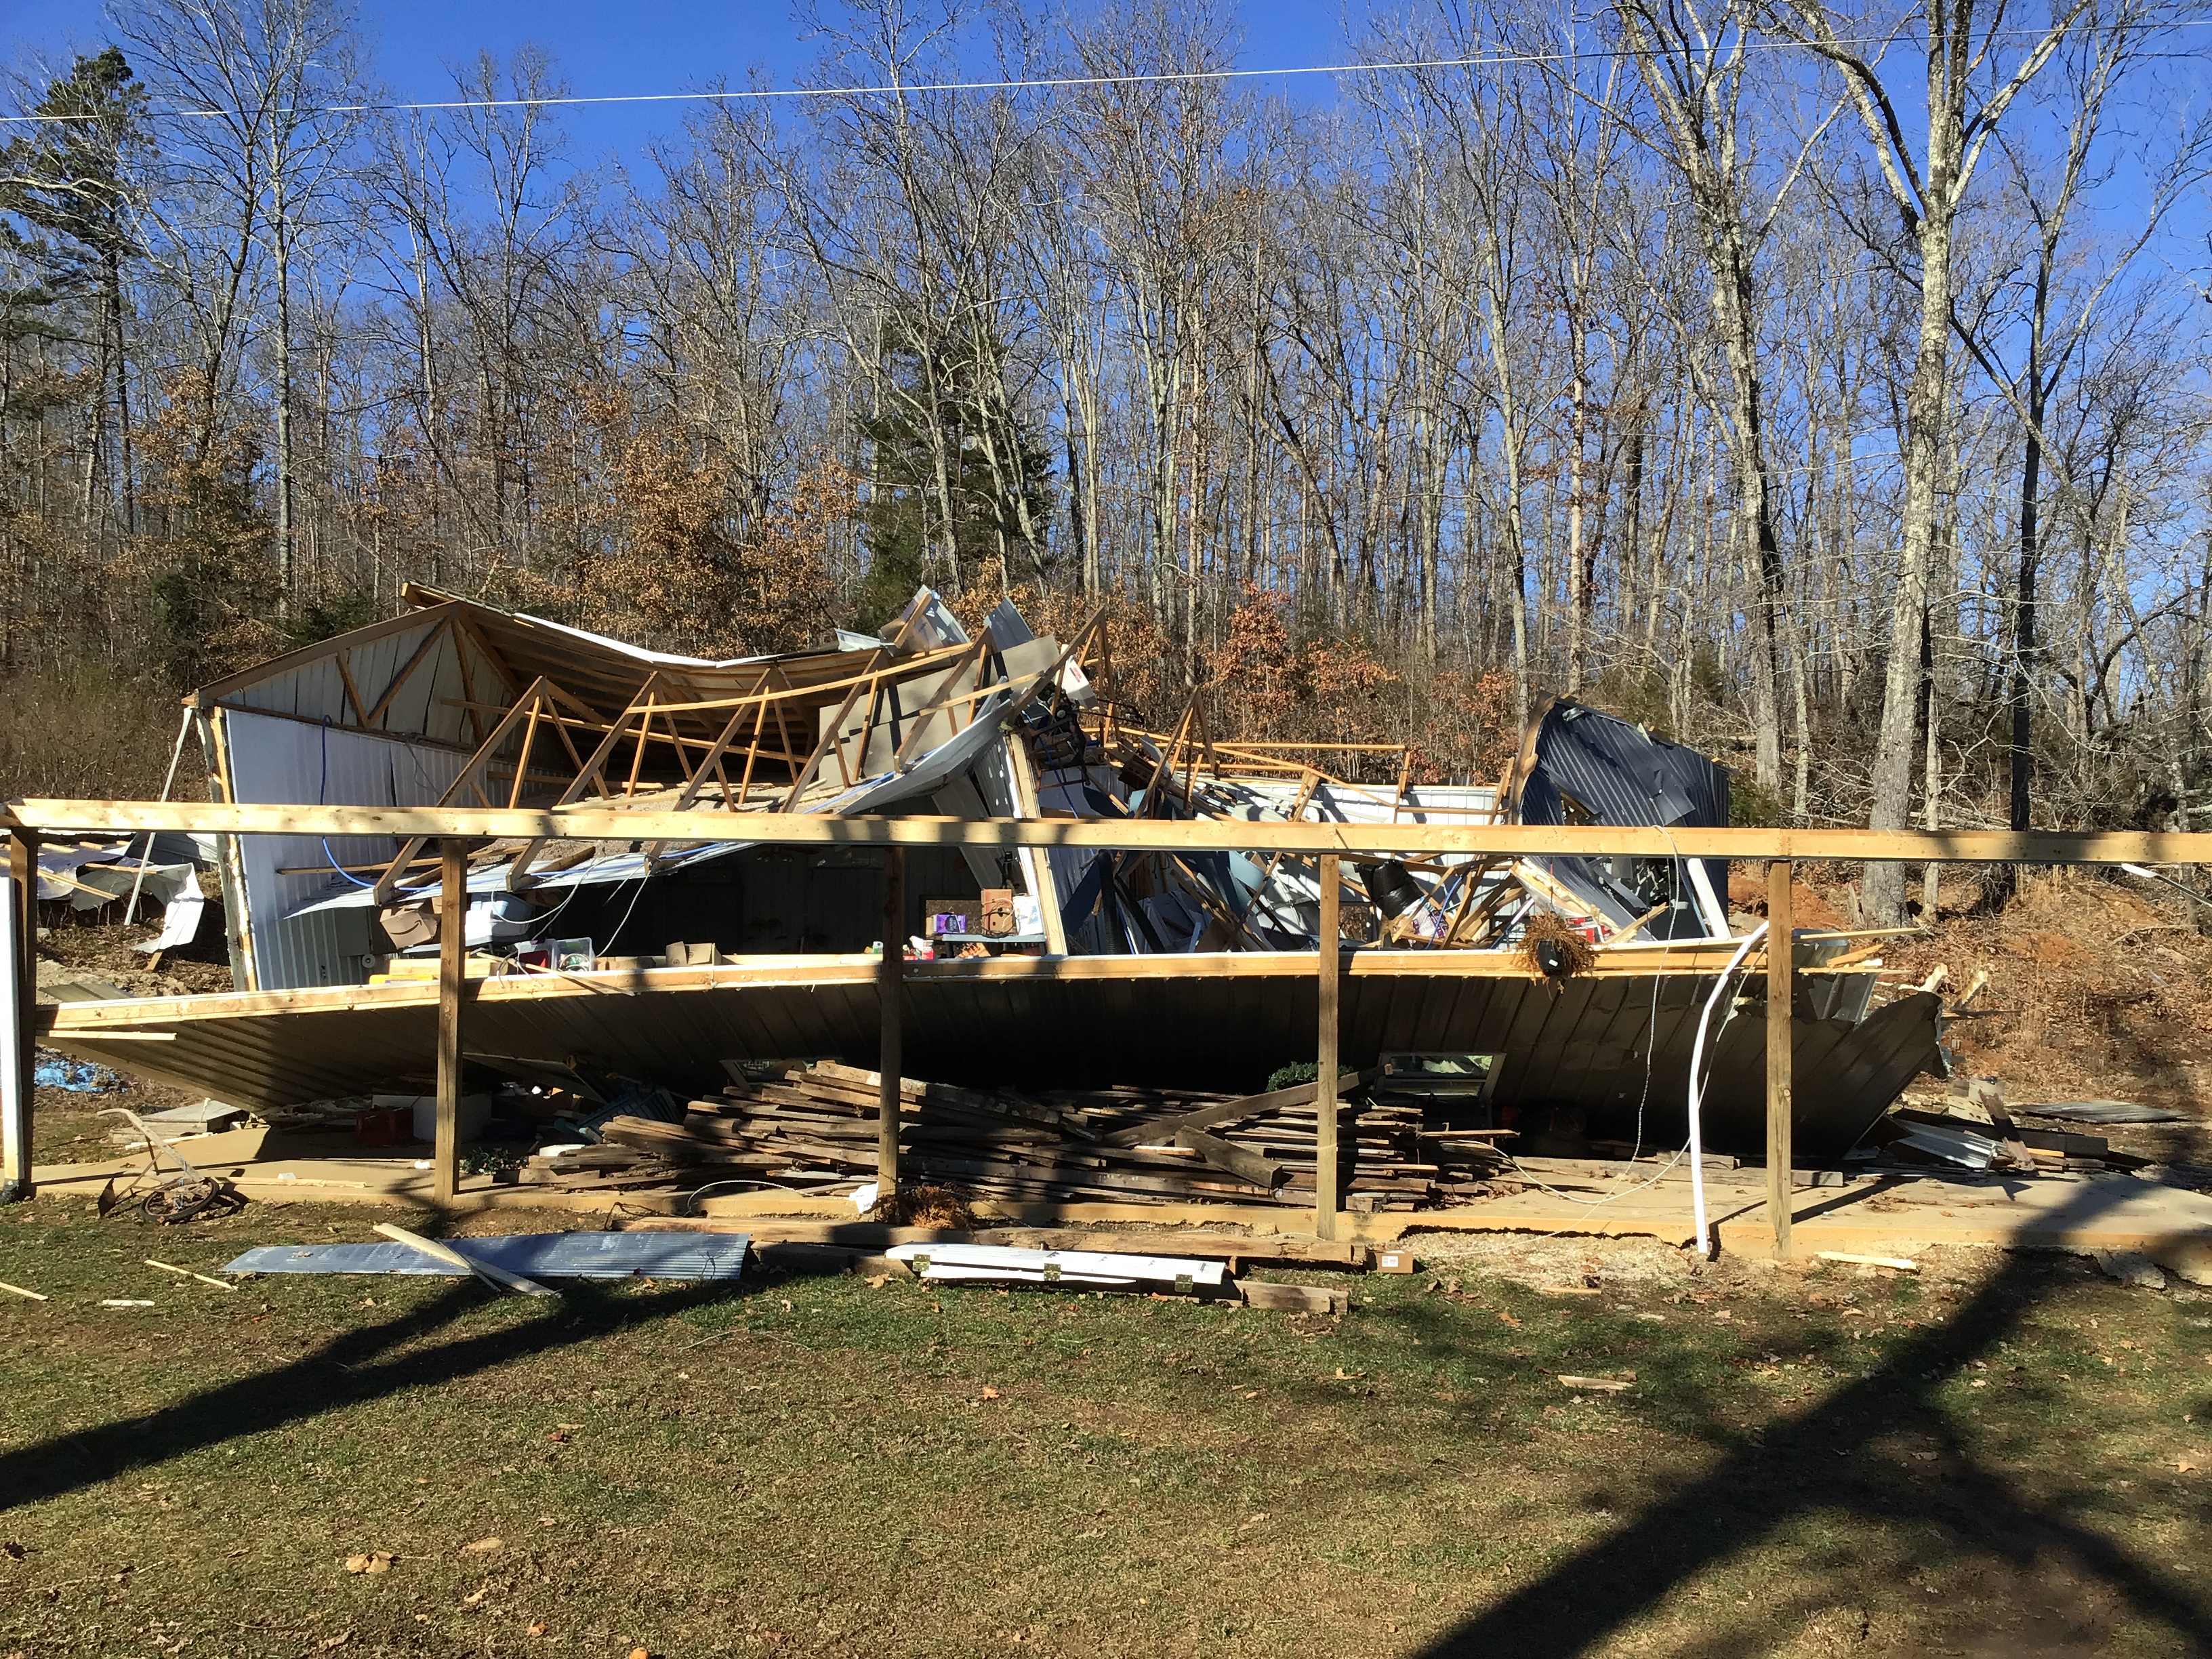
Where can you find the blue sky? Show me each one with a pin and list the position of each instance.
(627, 48)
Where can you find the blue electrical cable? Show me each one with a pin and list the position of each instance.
(322, 788)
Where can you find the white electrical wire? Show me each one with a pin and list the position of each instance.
(1697, 1090)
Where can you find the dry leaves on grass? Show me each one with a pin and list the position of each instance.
(483, 1546)
(370, 1561)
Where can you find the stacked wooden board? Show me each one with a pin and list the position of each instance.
(807, 1127)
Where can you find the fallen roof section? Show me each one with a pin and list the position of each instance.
(1610, 1042)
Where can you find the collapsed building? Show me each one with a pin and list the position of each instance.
(1577, 990)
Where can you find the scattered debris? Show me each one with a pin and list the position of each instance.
(1601, 1384)
(179, 1198)
(94, 872)
(1000, 723)
(79, 1077)
(2103, 1111)
(493, 1274)
(1902, 1264)
(816, 1125)
(370, 1561)
(550, 1255)
(1295, 1298)
(17, 1290)
(186, 1273)
(125, 1302)
(2131, 1268)
(1080, 1269)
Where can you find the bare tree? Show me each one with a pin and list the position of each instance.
(1694, 64)
(1969, 83)
(270, 89)
(2061, 310)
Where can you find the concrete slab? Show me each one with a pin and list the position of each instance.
(1887, 1216)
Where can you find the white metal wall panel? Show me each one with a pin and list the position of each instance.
(283, 761)
(428, 705)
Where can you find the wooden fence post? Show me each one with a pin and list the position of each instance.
(452, 991)
(1780, 994)
(1328, 1175)
(18, 1043)
(890, 974)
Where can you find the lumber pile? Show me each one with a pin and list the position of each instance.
(816, 1126)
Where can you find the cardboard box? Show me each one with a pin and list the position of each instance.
(1395, 1261)
(998, 906)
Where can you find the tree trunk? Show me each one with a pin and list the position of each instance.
(285, 534)
(2023, 615)
(1926, 403)
(115, 278)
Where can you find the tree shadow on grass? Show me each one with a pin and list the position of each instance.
(352, 1368)
(1824, 1459)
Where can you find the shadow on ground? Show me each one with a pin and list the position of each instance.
(1826, 1459)
(1823, 1459)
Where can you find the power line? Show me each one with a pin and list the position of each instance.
(894, 89)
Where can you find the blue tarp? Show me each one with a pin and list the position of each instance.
(79, 1077)
(534, 1255)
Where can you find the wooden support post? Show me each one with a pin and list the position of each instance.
(889, 974)
(453, 991)
(19, 979)
(1329, 1183)
(1781, 994)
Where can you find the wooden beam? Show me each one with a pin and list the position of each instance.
(322, 651)
(877, 659)
(407, 671)
(1234, 1111)
(89, 1019)
(891, 995)
(479, 764)
(353, 692)
(1038, 863)
(452, 991)
(1328, 1178)
(1190, 836)
(1781, 993)
(1245, 1164)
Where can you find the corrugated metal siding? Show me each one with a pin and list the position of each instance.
(1583, 1047)
(284, 762)
(1621, 774)
(427, 705)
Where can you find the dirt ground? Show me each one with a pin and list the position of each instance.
(80, 945)
(2096, 989)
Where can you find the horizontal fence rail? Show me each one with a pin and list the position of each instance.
(1125, 835)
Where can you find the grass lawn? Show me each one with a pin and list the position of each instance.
(2001, 1455)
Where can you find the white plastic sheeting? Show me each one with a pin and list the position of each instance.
(91, 875)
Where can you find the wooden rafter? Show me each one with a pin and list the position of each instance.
(407, 671)
(528, 711)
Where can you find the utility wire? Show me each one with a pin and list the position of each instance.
(1498, 60)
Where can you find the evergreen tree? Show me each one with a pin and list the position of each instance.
(996, 469)
(66, 181)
